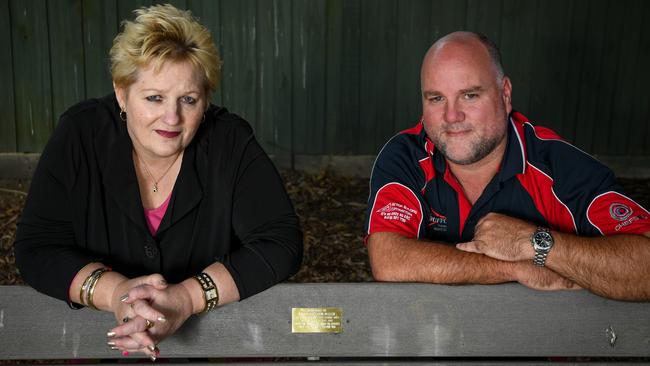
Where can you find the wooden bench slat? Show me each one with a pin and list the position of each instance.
(379, 320)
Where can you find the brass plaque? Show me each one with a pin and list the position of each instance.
(316, 320)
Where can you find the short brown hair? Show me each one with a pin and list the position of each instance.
(163, 33)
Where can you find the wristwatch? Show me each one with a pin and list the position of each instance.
(542, 242)
(210, 292)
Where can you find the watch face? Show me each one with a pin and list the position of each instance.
(543, 240)
(211, 294)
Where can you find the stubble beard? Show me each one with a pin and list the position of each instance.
(479, 149)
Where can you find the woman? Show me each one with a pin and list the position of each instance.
(151, 203)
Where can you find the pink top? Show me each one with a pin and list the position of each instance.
(155, 215)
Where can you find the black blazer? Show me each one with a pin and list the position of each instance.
(228, 205)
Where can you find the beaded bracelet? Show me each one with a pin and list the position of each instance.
(88, 288)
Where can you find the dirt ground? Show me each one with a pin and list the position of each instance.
(331, 210)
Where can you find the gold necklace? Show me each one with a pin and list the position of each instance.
(146, 169)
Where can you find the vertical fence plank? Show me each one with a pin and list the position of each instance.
(550, 53)
(378, 72)
(125, 9)
(274, 76)
(485, 17)
(99, 29)
(572, 63)
(639, 128)
(7, 101)
(412, 43)
(343, 89)
(606, 91)
(31, 59)
(309, 76)
(208, 12)
(517, 44)
(591, 75)
(629, 37)
(238, 33)
(67, 55)
(447, 16)
(179, 4)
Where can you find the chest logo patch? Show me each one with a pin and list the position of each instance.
(437, 221)
(397, 211)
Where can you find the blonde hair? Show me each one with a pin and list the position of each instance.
(163, 33)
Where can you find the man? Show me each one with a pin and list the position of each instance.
(523, 205)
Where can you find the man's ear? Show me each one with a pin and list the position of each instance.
(506, 94)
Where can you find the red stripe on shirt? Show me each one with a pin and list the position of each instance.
(540, 188)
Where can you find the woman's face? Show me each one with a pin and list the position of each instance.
(164, 108)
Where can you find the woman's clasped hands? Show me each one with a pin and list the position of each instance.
(147, 310)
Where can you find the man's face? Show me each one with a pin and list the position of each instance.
(465, 110)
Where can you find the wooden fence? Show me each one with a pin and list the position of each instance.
(339, 77)
(379, 323)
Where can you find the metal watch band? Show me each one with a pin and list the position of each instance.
(210, 292)
(540, 256)
(540, 259)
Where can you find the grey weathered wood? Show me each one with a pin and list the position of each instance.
(379, 320)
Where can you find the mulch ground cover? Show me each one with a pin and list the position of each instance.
(331, 210)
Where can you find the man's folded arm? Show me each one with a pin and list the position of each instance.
(396, 258)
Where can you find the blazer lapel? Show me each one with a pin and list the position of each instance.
(187, 192)
(118, 172)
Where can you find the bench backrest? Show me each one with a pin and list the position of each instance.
(378, 320)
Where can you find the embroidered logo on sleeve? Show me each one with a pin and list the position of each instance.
(613, 213)
(397, 211)
(619, 211)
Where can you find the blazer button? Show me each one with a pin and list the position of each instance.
(150, 251)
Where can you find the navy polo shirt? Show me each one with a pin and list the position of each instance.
(542, 179)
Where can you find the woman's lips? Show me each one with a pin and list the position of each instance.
(168, 134)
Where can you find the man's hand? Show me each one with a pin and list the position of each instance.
(501, 237)
(542, 278)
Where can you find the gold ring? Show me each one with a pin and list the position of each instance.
(149, 324)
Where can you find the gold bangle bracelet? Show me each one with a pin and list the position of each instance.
(88, 287)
